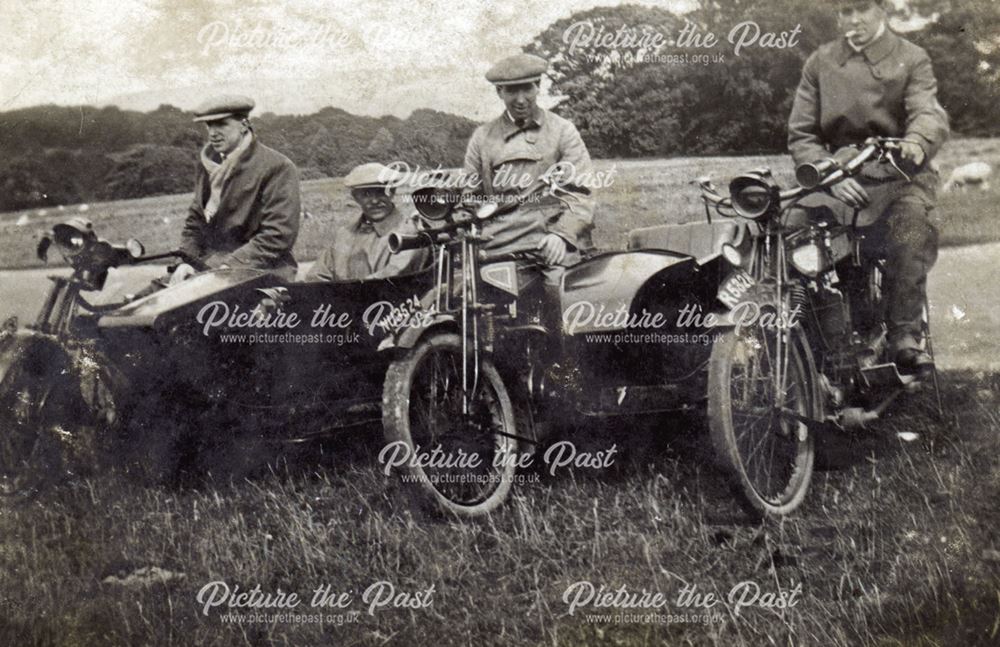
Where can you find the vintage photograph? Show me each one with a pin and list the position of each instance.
(658, 322)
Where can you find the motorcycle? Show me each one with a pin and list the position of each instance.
(806, 357)
(481, 373)
(220, 370)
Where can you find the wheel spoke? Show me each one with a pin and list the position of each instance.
(439, 424)
(770, 452)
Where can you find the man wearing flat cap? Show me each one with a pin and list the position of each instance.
(514, 150)
(871, 82)
(246, 207)
(360, 249)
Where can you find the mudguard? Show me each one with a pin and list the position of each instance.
(43, 353)
(596, 289)
(419, 318)
(408, 337)
(720, 319)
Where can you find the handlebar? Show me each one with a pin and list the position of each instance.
(823, 174)
(403, 242)
(499, 257)
(830, 171)
(465, 217)
(183, 257)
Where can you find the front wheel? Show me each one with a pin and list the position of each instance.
(40, 413)
(760, 393)
(458, 462)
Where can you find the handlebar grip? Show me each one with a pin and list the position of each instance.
(866, 154)
(401, 242)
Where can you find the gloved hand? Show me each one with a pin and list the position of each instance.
(851, 193)
(183, 272)
(552, 249)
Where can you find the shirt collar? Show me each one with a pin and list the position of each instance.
(878, 34)
(384, 226)
(874, 51)
(510, 128)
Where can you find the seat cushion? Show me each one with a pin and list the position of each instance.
(699, 239)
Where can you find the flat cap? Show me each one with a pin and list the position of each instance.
(371, 174)
(520, 68)
(227, 105)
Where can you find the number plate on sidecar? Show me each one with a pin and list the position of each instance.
(735, 288)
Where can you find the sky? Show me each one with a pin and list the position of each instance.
(371, 58)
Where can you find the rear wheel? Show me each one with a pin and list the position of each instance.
(460, 463)
(757, 402)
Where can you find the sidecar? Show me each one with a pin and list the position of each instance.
(295, 358)
(641, 321)
(228, 354)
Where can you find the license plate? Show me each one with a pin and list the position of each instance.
(735, 288)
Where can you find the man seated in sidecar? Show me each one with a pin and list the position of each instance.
(360, 249)
(246, 207)
(519, 147)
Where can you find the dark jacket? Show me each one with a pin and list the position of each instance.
(888, 89)
(258, 217)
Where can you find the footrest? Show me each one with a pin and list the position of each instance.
(886, 375)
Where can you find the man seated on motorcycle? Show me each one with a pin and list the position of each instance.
(506, 155)
(871, 82)
(246, 206)
(360, 249)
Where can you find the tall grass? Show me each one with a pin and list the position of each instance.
(891, 549)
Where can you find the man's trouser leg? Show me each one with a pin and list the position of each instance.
(908, 242)
(552, 280)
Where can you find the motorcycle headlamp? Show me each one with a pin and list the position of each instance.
(134, 248)
(808, 259)
(434, 203)
(753, 194)
(74, 236)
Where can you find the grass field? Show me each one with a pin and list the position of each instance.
(900, 546)
(643, 193)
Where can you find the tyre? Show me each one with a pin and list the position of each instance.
(40, 417)
(422, 417)
(760, 441)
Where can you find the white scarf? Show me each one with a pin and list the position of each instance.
(218, 172)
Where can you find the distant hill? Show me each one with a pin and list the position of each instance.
(52, 155)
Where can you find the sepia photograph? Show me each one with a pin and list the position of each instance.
(590, 322)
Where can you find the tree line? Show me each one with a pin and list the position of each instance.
(51, 155)
(637, 81)
(640, 81)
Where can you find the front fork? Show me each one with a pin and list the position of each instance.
(470, 312)
(769, 265)
(476, 318)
